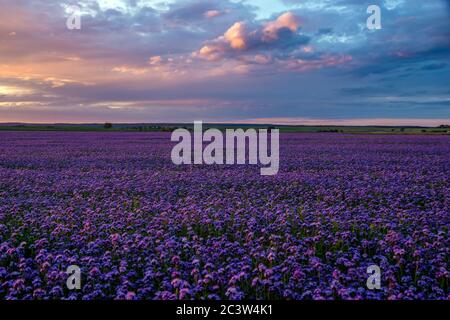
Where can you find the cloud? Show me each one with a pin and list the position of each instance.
(155, 60)
(14, 91)
(237, 36)
(275, 44)
(243, 37)
(273, 29)
(212, 13)
(301, 65)
(128, 69)
(206, 15)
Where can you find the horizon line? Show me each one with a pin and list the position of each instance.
(363, 122)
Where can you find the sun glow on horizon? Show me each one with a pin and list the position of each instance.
(15, 91)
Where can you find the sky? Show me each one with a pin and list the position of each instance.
(253, 61)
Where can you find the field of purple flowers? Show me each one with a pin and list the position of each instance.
(140, 227)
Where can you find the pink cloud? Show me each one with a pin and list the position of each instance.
(237, 36)
(241, 37)
(322, 62)
(155, 60)
(287, 20)
(212, 13)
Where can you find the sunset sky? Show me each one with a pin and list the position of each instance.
(254, 61)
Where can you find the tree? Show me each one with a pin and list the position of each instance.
(107, 125)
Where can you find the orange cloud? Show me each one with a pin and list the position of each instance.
(240, 37)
